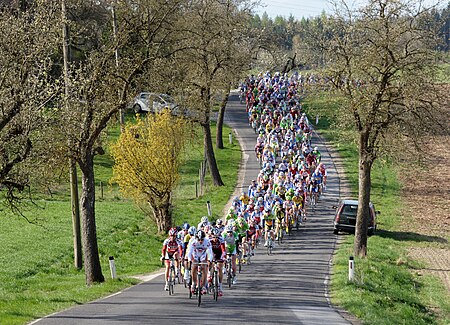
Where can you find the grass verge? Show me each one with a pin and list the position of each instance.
(37, 275)
(387, 290)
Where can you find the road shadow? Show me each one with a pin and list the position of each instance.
(410, 236)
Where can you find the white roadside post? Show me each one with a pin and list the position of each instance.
(230, 137)
(112, 267)
(208, 207)
(351, 269)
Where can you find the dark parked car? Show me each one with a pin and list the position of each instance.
(345, 218)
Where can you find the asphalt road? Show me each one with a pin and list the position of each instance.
(288, 287)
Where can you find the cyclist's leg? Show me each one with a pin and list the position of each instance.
(194, 274)
(204, 275)
(176, 256)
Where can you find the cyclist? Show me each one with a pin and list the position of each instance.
(245, 199)
(199, 251)
(230, 239)
(172, 248)
(219, 225)
(241, 229)
(187, 239)
(317, 154)
(252, 234)
(324, 173)
(279, 217)
(203, 223)
(218, 250)
(289, 208)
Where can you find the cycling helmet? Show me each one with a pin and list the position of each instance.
(200, 235)
(229, 228)
(219, 222)
(315, 148)
(192, 230)
(173, 232)
(215, 232)
(186, 226)
(278, 203)
(204, 219)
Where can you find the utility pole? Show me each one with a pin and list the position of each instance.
(72, 166)
(116, 54)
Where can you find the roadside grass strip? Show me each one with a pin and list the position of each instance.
(387, 287)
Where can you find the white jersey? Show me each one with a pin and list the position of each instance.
(199, 251)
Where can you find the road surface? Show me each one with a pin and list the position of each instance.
(288, 287)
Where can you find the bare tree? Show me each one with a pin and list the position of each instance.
(27, 41)
(95, 82)
(382, 63)
(206, 59)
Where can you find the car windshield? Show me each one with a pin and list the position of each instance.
(167, 98)
(349, 210)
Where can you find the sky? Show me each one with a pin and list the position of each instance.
(300, 8)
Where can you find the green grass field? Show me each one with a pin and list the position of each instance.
(387, 289)
(37, 276)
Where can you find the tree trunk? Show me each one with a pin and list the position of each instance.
(363, 215)
(220, 118)
(164, 219)
(93, 269)
(209, 153)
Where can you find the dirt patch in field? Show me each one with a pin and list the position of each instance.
(437, 260)
(427, 196)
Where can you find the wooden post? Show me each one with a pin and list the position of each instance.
(76, 221)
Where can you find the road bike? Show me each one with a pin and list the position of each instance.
(199, 275)
(239, 258)
(279, 231)
(229, 269)
(313, 195)
(172, 276)
(270, 243)
(214, 287)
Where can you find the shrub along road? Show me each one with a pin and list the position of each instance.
(288, 287)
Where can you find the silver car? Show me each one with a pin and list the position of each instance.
(152, 102)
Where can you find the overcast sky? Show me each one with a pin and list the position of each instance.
(300, 8)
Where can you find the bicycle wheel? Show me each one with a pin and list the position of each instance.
(190, 285)
(229, 273)
(216, 285)
(240, 262)
(249, 255)
(199, 289)
(171, 281)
